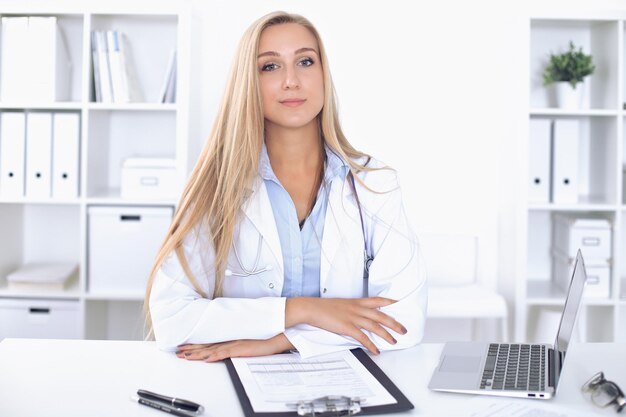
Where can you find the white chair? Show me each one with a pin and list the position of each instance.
(454, 289)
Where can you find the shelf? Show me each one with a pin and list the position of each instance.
(112, 197)
(573, 112)
(72, 292)
(545, 293)
(114, 296)
(133, 106)
(26, 200)
(576, 207)
(41, 106)
(41, 230)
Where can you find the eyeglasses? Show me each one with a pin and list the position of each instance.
(604, 393)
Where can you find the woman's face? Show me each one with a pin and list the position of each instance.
(290, 76)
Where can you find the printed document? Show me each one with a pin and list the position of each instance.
(276, 383)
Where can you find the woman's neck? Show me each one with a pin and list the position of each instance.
(294, 150)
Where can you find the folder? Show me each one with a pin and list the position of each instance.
(539, 161)
(38, 155)
(565, 150)
(12, 153)
(65, 155)
(14, 65)
(331, 404)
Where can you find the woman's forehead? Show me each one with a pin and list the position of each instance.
(286, 38)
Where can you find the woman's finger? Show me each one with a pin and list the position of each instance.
(376, 302)
(385, 320)
(183, 348)
(374, 327)
(198, 354)
(362, 338)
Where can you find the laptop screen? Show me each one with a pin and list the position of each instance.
(572, 304)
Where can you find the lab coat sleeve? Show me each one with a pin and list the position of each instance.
(180, 315)
(397, 272)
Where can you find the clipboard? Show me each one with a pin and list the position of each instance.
(402, 403)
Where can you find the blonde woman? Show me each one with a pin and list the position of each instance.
(266, 251)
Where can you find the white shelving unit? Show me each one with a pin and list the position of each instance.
(55, 230)
(600, 190)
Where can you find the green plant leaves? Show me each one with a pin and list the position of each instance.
(571, 66)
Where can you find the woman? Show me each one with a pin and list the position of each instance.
(266, 251)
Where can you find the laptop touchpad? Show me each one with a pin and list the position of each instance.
(453, 363)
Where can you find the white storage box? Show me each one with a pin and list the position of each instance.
(591, 235)
(123, 243)
(47, 319)
(598, 275)
(153, 178)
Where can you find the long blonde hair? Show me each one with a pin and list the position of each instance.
(228, 163)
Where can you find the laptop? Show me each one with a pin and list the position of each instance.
(511, 369)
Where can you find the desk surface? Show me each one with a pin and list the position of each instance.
(96, 378)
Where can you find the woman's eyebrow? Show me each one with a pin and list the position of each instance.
(299, 51)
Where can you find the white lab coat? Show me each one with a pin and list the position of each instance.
(252, 307)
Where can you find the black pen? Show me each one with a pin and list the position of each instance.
(173, 402)
(163, 407)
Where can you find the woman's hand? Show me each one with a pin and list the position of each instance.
(345, 316)
(237, 348)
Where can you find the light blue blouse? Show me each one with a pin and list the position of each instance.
(301, 248)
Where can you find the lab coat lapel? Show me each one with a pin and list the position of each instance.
(258, 210)
(337, 214)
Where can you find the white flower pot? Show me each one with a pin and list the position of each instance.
(568, 97)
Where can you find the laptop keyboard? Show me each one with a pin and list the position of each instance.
(514, 367)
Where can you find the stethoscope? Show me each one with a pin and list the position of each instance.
(367, 258)
(249, 272)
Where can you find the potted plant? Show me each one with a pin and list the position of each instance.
(566, 71)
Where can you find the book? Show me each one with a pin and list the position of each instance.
(42, 276)
(97, 83)
(106, 89)
(168, 87)
(130, 81)
(119, 74)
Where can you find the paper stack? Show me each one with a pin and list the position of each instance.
(42, 277)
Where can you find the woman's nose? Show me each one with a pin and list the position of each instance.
(291, 80)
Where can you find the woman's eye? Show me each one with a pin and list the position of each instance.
(269, 67)
(306, 62)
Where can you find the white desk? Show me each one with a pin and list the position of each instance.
(96, 378)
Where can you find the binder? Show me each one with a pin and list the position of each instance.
(332, 404)
(65, 155)
(565, 150)
(35, 60)
(51, 67)
(14, 65)
(539, 161)
(12, 153)
(38, 154)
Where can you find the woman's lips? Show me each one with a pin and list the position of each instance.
(293, 102)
